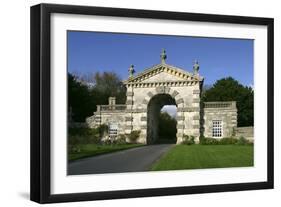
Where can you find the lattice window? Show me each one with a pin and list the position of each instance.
(217, 128)
(113, 130)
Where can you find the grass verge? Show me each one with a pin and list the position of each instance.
(88, 150)
(206, 156)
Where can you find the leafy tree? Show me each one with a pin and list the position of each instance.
(108, 84)
(229, 89)
(87, 91)
(79, 99)
(167, 127)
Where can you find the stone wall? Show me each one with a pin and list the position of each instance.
(247, 132)
(190, 119)
(224, 111)
(111, 115)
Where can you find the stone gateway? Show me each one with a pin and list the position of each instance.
(164, 84)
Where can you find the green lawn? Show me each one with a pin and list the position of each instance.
(88, 150)
(206, 156)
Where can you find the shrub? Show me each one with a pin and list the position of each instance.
(201, 138)
(85, 135)
(188, 140)
(74, 144)
(228, 140)
(76, 139)
(77, 131)
(134, 135)
(233, 133)
(209, 141)
(102, 129)
(94, 139)
(121, 139)
(107, 142)
(242, 141)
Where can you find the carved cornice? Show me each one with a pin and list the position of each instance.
(166, 83)
(175, 71)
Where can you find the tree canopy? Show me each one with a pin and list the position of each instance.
(84, 96)
(229, 89)
(167, 127)
(108, 84)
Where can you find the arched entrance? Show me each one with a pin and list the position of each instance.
(153, 117)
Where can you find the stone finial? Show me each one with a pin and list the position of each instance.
(131, 71)
(163, 56)
(196, 67)
(111, 101)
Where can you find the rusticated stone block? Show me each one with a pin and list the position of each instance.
(179, 101)
(143, 118)
(195, 126)
(130, 93)
(196, 134)
(180, 118)
(196, 100)
(160, 89)
(129, 102)
(128, 127)
(145, 101)
(150, 94)
(180, 126)
(167, 89)
(196, 117)
(188, 109)
(144, 110)
(143, 126)
(174, 94)
(196, 91)
(128, 118)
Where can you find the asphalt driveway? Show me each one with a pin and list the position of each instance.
(131, 160)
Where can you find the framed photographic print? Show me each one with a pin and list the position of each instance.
(133, 103)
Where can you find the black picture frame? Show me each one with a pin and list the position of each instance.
(41, 96)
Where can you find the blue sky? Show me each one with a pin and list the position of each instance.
(90, 52)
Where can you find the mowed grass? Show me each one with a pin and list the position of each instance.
(206, 156)
(88, 150)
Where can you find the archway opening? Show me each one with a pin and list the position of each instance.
(161, 120)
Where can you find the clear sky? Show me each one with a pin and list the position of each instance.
(96, 51)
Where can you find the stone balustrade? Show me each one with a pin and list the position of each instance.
(112, 108)
(226, 104)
